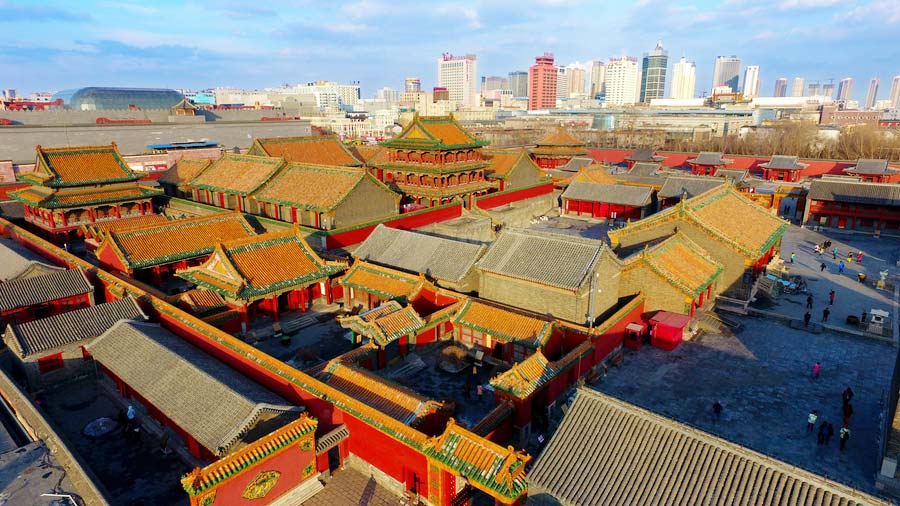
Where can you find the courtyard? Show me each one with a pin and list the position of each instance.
(762, 376)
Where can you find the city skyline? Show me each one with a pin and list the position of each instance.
(128, 44)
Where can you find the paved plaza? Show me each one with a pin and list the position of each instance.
(762, 376)
(351, 487)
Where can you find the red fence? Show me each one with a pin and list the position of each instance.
(493, 200)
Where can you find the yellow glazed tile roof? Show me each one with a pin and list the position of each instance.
(314, 187)
(504, 324)
(82, 165)
(682, 261)
(240, 174)
(382, 281)
(315, 149)
(185, 170)
(560, 137)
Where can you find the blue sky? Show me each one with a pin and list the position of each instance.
(54, 45)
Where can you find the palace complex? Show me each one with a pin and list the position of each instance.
(271, 318)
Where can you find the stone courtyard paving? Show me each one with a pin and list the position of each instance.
(852, 297)
(762, 376)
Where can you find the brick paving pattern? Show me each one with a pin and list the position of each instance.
(351, 487)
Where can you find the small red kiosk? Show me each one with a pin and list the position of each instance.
(667, 329)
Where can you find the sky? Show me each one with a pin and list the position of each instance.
(55, 45)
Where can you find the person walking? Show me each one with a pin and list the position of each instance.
(480, 391)
(834, 252)
(811, 420)
(793, 256)
(831, 296)
(817, 368)
(829, 431)
(848, 412)
(809, 302)
(859, 257)
(850, 257)
(841, 267)
(847, 395)
(806, 319)
(821, 435)
(825, 313)
(845, 436)
(822, 267)
(717, 410)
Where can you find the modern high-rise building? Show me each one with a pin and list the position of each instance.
(493, 83)
(623, 81)
(459, 75)
(562, 83)
(797, 87)
(828, 90)
(388, 95)
(576, 78)
(542, 83)
(598, 79)
(872, 94)
(751, 81)
(780, 87)
(684, 79)
(653, 74)
(413, 85)
(518, 83)
(812, 90)
(895, 93)
(845, 88)
(727, 72)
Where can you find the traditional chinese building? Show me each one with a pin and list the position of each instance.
(153, 253)
(74, 186)
(736, 233)
(643, 156)
(268, 271)
(31, 298)
(782, 168)
(313, 149)
(674, 275)
(175, 182)
(94, 233)
(853, 205)
(158, 371)
(613, 201)
(707, 163)
(433, 161)
(52, 349)
(449, 262)
(368, 285)
(503, 332)
(326, 197)
(873, 171)
(567, 277)
(512, 168)
(19, 262)
(557, 148)
(231, 179)
(681, 187)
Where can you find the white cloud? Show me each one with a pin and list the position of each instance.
(808, 4)
(469, 13)
(883, 11)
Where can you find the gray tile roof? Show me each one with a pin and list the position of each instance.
(645, 155)
(417, 252)
(619, 194)
(211, 401)
(784, 162)
(882, 194)
(558, 260)
(709, 158)
(576, 163)
(644, 169)
(59, 330)
(675, 186)
(16, 259)
(609, 452)
(736, 175)
(37, 290)
(870, 166)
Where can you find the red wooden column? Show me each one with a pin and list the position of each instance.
(273, 307)
(329, 297)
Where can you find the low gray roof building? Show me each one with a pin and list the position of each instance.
(576, 164)
(644, 155)
(784, 162)
(870, 166)
(709, 158)
(17, 261)
(437, 257)
(39, 336)
(619, 194)
(214, 403)
(645, 169)
(880, 194)
(557, 260)
(676, 186)
(610, 452)
(40, 289)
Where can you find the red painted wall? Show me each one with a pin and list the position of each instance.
(751, 163)
(502, 198)
(387, 454)
(289, 462)
(403, 222)
(615, 335)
